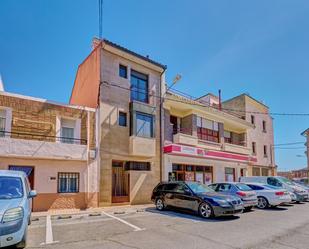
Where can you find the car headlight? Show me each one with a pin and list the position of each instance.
(223, 203)
(13, 214)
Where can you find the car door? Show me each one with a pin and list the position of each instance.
(184, 197)
(170, 195)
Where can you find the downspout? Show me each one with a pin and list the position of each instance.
(161, 126)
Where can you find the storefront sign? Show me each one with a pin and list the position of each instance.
(210, 154)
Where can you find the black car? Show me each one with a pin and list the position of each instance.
(195, 197)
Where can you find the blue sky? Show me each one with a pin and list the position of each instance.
(259, 47)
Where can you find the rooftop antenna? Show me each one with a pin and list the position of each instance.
(100, 18)
(1, 84)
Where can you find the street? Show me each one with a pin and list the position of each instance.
(283, 227)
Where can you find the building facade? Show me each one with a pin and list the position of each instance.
(126, 87)
(261, 138)
(55, 145)
(203, 143)
(306, 135)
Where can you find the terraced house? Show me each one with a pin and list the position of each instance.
(126, 87)
(55, 145)
(203, 143)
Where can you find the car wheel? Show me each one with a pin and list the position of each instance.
(262, 202)
(160, 204)
(23, 243)
(205, 210)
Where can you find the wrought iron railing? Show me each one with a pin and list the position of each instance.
(41, 137)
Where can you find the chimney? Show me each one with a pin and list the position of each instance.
(95, 42)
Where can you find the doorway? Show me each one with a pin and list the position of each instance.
(120, 183)
(29, 170)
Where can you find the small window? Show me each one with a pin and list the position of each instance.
(264, 126)
(139, 166)
(265, 151)
(68, 182)
(253, 148)
(123, 71)
(252, 119)
(122, 119)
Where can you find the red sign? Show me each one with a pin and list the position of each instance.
(178, 149)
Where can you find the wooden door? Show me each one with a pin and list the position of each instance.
(120, 183)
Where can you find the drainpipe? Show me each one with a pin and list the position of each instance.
(161, 126)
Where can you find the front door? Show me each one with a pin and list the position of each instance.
(120, 183)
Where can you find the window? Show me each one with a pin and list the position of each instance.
(229, 174)
(227, 137)
(265, 151)
(122, 119)
(264, 126)
(67, 131)
(252, 119)
(68, 182)
(139, 87)
(256, 171)
(253, 148)
(255, 187)
(11, 187)
(144, 125)
(2, 123)
(264, 172)
(207, 130)
(139, 166)
(123, 71)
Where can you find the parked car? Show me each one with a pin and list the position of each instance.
(269, 196)
(245, 193)
(195, 197)
(15, 208)
(281, 182)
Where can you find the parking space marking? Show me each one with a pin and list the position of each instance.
(136, 228)
(49, 232)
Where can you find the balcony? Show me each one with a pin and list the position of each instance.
(237, 148)
(44, 147)
(181, 138)
(141, 146)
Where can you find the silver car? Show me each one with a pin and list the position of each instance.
(15, 208)
(244, 192)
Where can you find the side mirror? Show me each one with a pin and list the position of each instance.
(32, 194)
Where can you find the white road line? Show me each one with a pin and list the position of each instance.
(136, 228)
(49, 232)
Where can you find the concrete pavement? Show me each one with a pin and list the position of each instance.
(283, 227)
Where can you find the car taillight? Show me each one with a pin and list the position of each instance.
(242, 194)
(280, 193)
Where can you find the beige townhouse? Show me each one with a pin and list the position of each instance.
(203, 143)
(261, 137)
(126, 88)
(55, 145)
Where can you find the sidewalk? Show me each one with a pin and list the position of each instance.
(110, 209)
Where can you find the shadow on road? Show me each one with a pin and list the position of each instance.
(190, 215)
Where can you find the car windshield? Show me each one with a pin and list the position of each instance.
(286, 181)
(243, 187)
(199, 188)
(11, 187)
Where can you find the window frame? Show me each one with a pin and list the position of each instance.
(254, 148)
(120, 68)
(264, 126)
(253, 119)
(67, 182)
(265, 151)
(125, 116)
(141, 77)
(137, 130)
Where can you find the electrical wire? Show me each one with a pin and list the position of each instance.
(229, 110)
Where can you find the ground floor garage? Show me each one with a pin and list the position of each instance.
(60, 184)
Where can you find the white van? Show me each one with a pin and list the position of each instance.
(281, 182)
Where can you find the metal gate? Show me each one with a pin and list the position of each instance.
(120, 183)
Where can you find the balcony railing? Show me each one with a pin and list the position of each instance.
(41, 137)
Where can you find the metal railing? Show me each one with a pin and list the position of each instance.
(41, 137)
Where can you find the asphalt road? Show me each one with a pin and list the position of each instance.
(283, 227)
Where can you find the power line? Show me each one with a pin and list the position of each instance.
(290, 148)
(294, 143)
(203, 105)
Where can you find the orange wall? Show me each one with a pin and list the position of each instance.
(86, 85)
